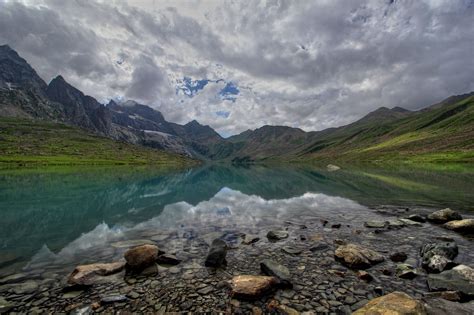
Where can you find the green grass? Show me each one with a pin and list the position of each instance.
(35, 143)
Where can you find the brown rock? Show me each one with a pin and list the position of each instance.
(141, 256)
(364, 275)
(463, 226)
(85, 274)
(396, 303)
(357, 257)
(247, 286)
(443, 216)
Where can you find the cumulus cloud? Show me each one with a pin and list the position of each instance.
(305, 64)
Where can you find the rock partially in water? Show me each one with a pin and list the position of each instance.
(442, 306)
(28, 286)
(410, 222)
(217, 253)
(250, 239)
(395, 303)
(168, 259)
(461, 226)
(416, 218)
(17, 277)
(376, 224)
(140, 257)
(291, 250)
(357, 257)
(398, 256)
(460, 279)
(86, 274)
(272, 268)
(5, 306)
(436, 257)
(277, 235)
(252, 287)
(444, 215)
(406, 271)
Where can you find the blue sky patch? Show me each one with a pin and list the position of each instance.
(223, 113)
(190, 87)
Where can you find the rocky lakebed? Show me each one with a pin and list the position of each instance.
(389, 260)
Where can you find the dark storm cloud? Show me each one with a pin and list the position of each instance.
(307, 64)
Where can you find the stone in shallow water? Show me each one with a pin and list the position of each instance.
(410, 222)
(141, 257)
(396, 303)
(168, 259)
(416, 218)
(461, 226)
(436, 306)
(291, 250)
(460, 278)
(436, 257)
(217, 253)
(357, 257)
(85, 274)
(277, 235)
(376, 224)
(272, 268)
(113, 299)
(5, 305)
(444, 215)
(406, 271)
(250, 239)
(13, 278)
(398, 256)
(251, 287)
(29, 286)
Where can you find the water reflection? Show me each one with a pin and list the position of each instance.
(60, 215)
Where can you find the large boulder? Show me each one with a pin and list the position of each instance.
(436, 257)
(140, 257)
(217, 253)
(252, 287)
(462, 226)
(395, 303)
(444, 215)
(86, 274)
(460, 279)
(357, 257)
(272, 268)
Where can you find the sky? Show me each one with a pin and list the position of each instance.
(238, 65)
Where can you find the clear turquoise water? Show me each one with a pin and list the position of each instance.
(67, 213)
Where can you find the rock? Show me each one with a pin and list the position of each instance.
(336, 226)
(140, 257)
(332, 167)
(447, 295)
(461, 226)
(436, 257)
(86, 274)
(405, 271)
(113, 299)
(357, 257)
(13, 278)
(250, 239)
(291, 250)
(410, 222)
(444, 215)
(5, 306)
(396, 224)
(395, 303)
(318, 247)
(29, 286)
(364, 275)
(167, 259)
(376, 224)
(435, 306)
(252, 287)
(416, 218)
(286, 310)
(272, 268)
(398, 256)
(206, 290)
(277, 235)
(460, 278)
(72, 294)
(217, 253)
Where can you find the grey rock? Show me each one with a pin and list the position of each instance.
(398, 256)
(5, 305)
(436, 306)
(376, 224)
(217, 254)
(291, 250)
(168, 259)
(277, 235)
(444, 215)
(272, 268)
(436, 257)
(250, 239)
(416, 218)
(460, 278)
(405, 271)
(113, 299)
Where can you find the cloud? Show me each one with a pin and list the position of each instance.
(304, 64)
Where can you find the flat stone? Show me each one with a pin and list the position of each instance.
(357, 257)
(416, 218)
(272, 268)
(405, 271)
(460, 278)
(441, 307)
(291, 250)
(376, 224)
(168, 259)
(72, 294)
(318, 247)
(410, 222)
(277, 235)
(205, 290)
(29, 286)
(86, 274)
(113, 299)
(247, 286)
(13, 278)
(396, 303)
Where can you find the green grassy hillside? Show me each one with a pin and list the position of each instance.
(28, 142)
(441, 133)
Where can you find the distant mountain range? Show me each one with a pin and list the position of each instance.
(444, 130)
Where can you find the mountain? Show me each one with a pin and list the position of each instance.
(443, 131)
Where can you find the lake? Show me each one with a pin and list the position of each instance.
(53, 220)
